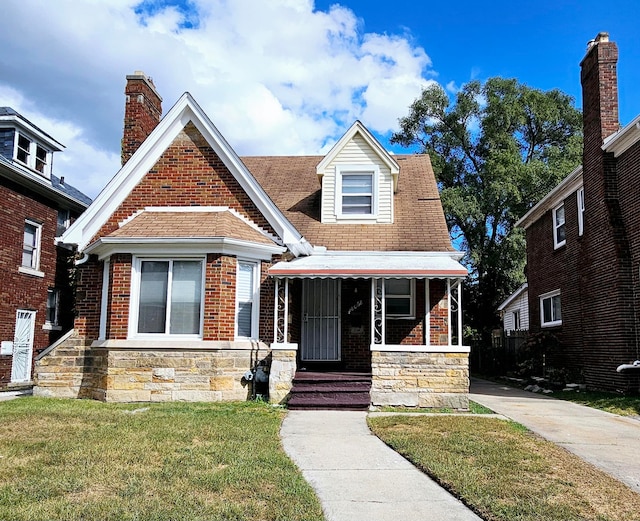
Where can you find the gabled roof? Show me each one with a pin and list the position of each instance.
(359, 128)
(513, 296)
(419, 223)
(186, 110)
(566, 187)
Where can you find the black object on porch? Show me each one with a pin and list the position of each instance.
(330, 390)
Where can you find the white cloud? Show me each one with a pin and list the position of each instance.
(276, 77)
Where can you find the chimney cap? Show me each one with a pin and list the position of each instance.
(140, 75)
(601, 37)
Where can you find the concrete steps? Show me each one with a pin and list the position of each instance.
(330, 390)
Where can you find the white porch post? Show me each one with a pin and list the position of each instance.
(378, 318)
(281, 312)
(427, 315)
(449, 311)
(459, 312)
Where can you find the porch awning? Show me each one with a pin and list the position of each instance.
(373, 265)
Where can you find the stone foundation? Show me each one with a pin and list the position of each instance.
(420, 379)
(75, 369)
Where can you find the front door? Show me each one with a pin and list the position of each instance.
(320, 320)
(23, 346)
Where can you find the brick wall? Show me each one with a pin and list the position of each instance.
(20, 290)
(188, 173)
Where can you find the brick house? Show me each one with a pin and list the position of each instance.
(203, 269)
(35, 295)
(583, 240)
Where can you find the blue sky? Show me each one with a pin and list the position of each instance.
(285, 76)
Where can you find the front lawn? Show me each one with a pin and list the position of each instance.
(504, 472)
(610, 402)
(86, 460)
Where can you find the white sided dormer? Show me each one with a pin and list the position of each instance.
(359, 178)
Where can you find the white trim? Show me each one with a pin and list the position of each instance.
(356, 169)
(419, 348)
(359, 128)
(134, 299)
(558, 194)
(107, 246)
(185, 110)
(580, 203)
(554, 212)
(104, 300)
(427, 318)
(550, 295)
(255, 299)
(286, 346)
(623, 139)
(30, 271)
(449, 334)
(513, 296)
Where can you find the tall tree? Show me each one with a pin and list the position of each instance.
(496, 151)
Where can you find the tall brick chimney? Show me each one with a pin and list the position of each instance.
(142, 113)
(599, 79)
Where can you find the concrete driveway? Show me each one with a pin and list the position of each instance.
(608, 441)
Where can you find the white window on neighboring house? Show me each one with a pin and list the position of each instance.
(247, 299)
(167, 297)
(559, 234)
(550, 309)
(32, 155)
(23, 150)
(580, 197)
(31, 245)
(356, 191)
(516, 319)
(53, 309)
(399, 298)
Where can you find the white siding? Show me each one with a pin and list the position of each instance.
(521, 303)
(357, 152)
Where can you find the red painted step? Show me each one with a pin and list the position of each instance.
(330, 390)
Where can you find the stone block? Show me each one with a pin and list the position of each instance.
(394, 399)
(221, 383)
(163, 374)
(127, 395)
(451, 400)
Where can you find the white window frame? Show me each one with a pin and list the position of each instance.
(516, 319)
(34, 269)
(556, 226)
(371, 170)
(63, 221)
(580, 202)
(412, 301)
(255, 300)
(134, 305)
(550, 296)
(32, 154)
(55, 324)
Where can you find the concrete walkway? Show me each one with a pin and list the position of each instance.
(357, 477)
(608, 441)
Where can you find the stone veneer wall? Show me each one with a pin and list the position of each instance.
(420, 379)
(74, 369)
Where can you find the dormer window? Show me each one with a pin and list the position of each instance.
(356, 191)
(33, 155)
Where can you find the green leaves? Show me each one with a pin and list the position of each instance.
(496, 150)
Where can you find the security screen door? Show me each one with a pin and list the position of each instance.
(23, 346)
(320, 320)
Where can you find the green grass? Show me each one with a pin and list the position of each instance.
(610, 402)
(86, 460)
(504, 472)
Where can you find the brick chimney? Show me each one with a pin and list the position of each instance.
(599, 79)
(142, 112)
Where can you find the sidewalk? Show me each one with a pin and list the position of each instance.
(607, 441)
(359, 478)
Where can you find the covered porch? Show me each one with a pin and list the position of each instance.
(396, 317)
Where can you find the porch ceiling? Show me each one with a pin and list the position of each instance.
(372, 265)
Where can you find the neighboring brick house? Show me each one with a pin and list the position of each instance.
(201, 266)
(35, 296)
(583, 240)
